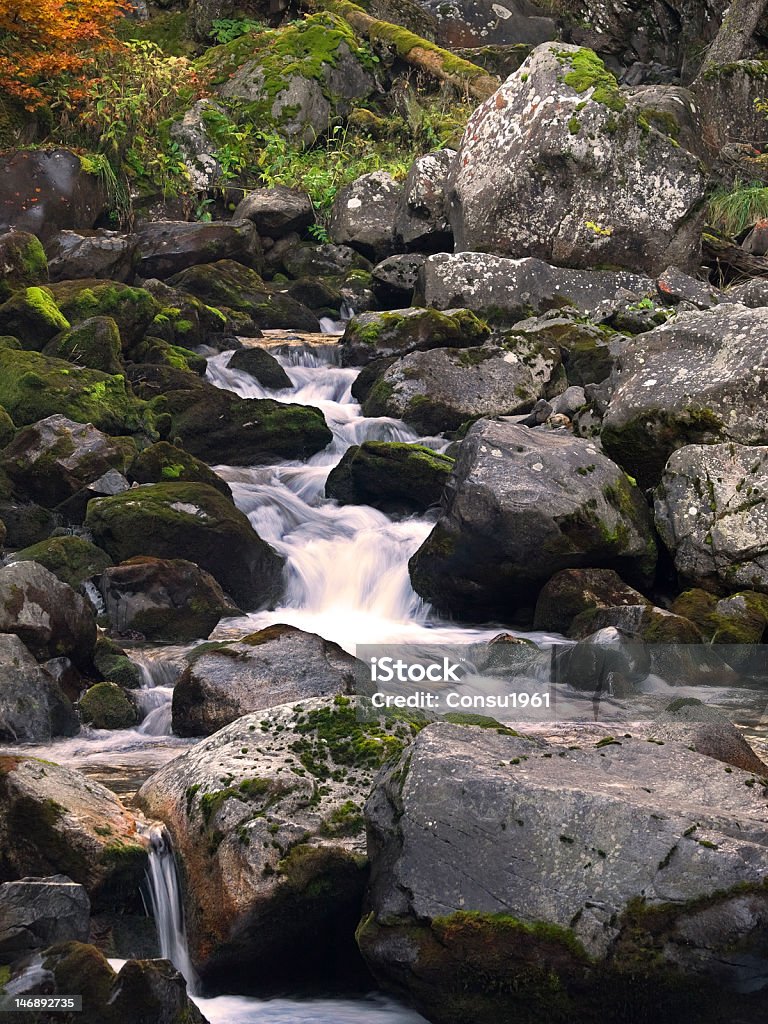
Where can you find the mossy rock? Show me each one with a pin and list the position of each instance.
(132, 309)
(372, 336)
(72, 559)
(165, 463)
(261, 365)
(32, 316)
(105, 706)
(156, 350)
(23, 263)
(33, 386)
(740, 618)
(81, 968)
(194, 522)
(114, 664)
(390, 475)
(94, 343)
(7, 428)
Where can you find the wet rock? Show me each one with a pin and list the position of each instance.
(607, 664)
(370, 336)
(54, 458)
(91, 254)
(132, 309)
(325, 260)
(522, 505)
(94, 343)
(53, 819)
(640, 620)
(152, 990)
(421, 220)
(165, 463)
(39, 912)
(548, 863)
(538, 167)
(163, 599)
(71, 559)
(695, 380)
(573, 591)
(165, 248)
(276, 211)
(364, 215)
(711, 513)
(193, 522)
(707, 731)
(106, 706)
(33, 709)
(394, 477)
(288, 817)
(46, 190)
(512, 289)
(443, 388)
(32, 316)
(114, 664)
(47, 615)
(22, 263)
(394, 279)
(740, 618)
(258, 363)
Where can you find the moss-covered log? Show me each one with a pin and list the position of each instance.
(413, 49)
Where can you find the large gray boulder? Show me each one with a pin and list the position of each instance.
(706, 730)
(529, 881)
(274, 666)
(33, 708)
(276, 211)
(561, 165)
(421, 219)
(712, 514)
(697, 379)
(39, 912)
(91, 254)
(375, 335)
(522, 505)
(166, 247)
(266, 820)
(442, 388)
(480, 22)
(512, 289)
(363, 215)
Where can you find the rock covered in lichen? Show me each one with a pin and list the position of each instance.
(33, 709)
(374, 335)
(390, 475)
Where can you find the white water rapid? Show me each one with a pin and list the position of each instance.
(166, 905)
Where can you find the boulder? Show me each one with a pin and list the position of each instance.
(482, 22)
(712, 514)
(25, 522)
(444, 388)
(695, 380)
(642, 621)
(561, 165)
(276, 211)
(421, 219)
(53, 819)
(22, 263)
(363, 215)
(740, 618)
(193, 522)
(370, 336)
(707, 731)
(91, 254)
(94, 343)
(589, 350)
(513, 289)
(106, 706)
(518, 881)
(522, 505)
(394, 280)
(165, 463)
(33, 708)
(198, 149)
(261, 365)
(266, 821)
(46, 614)
(165, 248)
(114, 665)
(46, 190)
(220, 427)
(33, 387)
(277, 665)
(32, 316)
(73, 560)
(132, 309)
(394, 477)
(164, 599)
(39, 912)
(54, 458)
(307, 260)
(573, 591)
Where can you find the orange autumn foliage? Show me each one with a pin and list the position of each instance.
(44, 43)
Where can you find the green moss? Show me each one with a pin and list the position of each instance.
(587, 71)
(479, 721)
(24, 262)
(113, 663)
(72, 559)
(345, 820)
(169, 30)
(574, 125)
(105, 706)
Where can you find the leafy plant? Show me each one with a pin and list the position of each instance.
(224, 30)
(732, 211)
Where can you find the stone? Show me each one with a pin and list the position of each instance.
(114, 665)
(481, 22)
(91, 254)
(513, 289)
(198, 149)
(288, 818)
(132, 309)
(421, 220)
(193, 522)
(394, 280)
(23, 263)
(39, 912)
(675, 286)
(522, 505)
(397, 478)
(370, 336)
(46, 614)
(166, 463)
(711, 514)
(697, 379)
(164, 599)
(640, 620)
(326, 260)
(95, 343)
(71, 559)
(25, 522)
(740, 618)
(555, 865)
(54, 819)
(443, 388)
(277, 665)
(707, 731)
(261, 365)
(561, 165)
(33, 709)
(106, 706)
(276, 211)
(363, 215)
(574, 591)
(165, 248)
(32, 316)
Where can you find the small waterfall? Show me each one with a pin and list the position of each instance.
(166, 905)
(94, 596)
